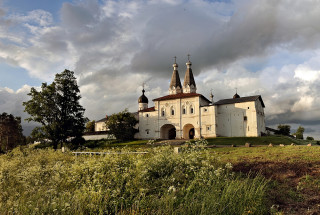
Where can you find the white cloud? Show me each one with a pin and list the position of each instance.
(306, 74)
(114, 46)
(304, 104)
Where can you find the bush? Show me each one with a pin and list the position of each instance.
(309, 138)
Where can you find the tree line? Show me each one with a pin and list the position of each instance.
(60, 116)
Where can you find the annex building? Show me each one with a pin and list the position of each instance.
(186, 114)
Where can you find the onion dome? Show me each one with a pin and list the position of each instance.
(236, 96)
(143, 98)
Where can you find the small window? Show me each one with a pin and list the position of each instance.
(205, 110)
(163, 112)
(147, 115)
(248, 108)
(245, 118)
(147, 131)
(183, 111)
(172, 112)
(191, 110)
(208, 128)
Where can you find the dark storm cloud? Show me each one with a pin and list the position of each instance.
(255, 29)
(115, 46)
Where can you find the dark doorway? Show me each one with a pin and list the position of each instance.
(191, 133)
(172, 134)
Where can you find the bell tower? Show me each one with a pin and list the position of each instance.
(189, 85)
(175, 84)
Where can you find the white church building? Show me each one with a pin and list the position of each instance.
(186, 114)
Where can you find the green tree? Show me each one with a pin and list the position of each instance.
(309, 138)
(121, 125)
(299, 133)
(90, 126)
(56, 107)
(10, 132)
(284, 129)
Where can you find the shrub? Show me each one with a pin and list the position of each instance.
(309, 138)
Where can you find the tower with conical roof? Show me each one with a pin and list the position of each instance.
(175, 84)
(189, 85)
(143, 101)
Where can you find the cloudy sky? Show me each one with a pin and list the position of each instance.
(261, 47)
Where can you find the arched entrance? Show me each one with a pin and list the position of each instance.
(168, 131)
(191, 133)
(188, 131)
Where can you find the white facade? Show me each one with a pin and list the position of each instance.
(187, 115)
(100, 125)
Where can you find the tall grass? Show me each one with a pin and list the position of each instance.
(41, 181)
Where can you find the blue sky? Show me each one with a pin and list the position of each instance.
(16, 77)
(24, 6)
(262, 47)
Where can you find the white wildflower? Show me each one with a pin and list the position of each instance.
(171, 189)
(229, 166)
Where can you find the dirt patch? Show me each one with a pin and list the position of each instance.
(294, 187)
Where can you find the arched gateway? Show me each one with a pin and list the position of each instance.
(188, 131)
(168, 131)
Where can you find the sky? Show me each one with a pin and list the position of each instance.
(261, 47)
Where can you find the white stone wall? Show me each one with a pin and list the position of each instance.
(261, 125)
(208, 121)
(182, 114)
(240, 119)
(100, 126)
(98, 137)
(230, 120)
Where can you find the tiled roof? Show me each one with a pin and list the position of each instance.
(150, 109)
(240, 100)
(188, 78)
(102, 120)
(175, 80)
(180, 95)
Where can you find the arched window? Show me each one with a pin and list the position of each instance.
(172, 110)
(191, 110)
(163, 112)
(184, 111)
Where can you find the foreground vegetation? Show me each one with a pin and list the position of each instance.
(294, 173)
(37, 181)
(219, 180)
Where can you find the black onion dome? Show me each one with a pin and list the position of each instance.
(236, 96)
(143, 98)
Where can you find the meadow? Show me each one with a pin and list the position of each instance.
(41, 181)
(199, 180)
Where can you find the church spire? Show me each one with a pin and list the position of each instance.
(175, 84)
(189, 85)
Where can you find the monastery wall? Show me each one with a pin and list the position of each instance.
(237, 120)
(208, 121)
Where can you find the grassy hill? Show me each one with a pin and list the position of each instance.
(257, 180)
(266, 140)
(41, 181)
(238, 141)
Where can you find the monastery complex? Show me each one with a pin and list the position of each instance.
(185, 114)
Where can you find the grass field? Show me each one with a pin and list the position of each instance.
(294, 173)
(221, 180)
(265, 140)
(226, 141)
(41, 181)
